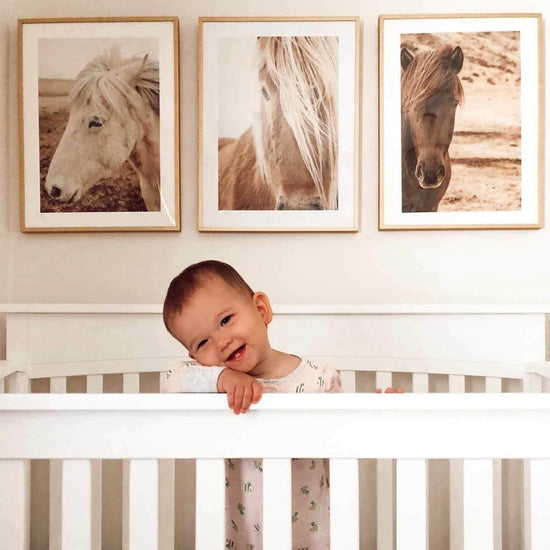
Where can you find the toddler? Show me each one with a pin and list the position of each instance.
(213, 312)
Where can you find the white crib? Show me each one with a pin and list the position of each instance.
(491, 500)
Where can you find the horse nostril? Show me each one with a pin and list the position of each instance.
(315, 204)
(430, 177)
(55, 193)
(441, 171)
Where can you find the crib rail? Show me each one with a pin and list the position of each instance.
(345, 363)
(77, 429)
(490, 376)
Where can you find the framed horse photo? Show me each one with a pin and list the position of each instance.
(461, 104)
(278, 124)
(99, 124)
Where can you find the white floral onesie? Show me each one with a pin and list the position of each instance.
(310, 477)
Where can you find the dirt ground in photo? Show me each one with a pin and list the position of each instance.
(486, 148)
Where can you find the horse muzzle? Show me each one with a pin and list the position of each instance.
(61, 191)
(429, 177)
(290, 203)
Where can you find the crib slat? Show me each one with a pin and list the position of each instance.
(143, 505)
(540, 504)
(478, 504)
(457, 384)
(494, 385)
(58, 384)
(18, 382)
(412, 505)
(420, 382)
(94, 384)
(385, 487)
(348, 381)
(210, 504)
(14, 504)
(277, 504)
(344, 503)
(76, 509)
(526, 504)
(167, 500)
(167, 497)
(533, 383)
(130, 384)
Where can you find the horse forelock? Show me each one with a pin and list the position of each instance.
(99, 84)
(305, 72)
(429, 73)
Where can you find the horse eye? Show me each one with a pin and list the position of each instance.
(265, 94)
(95, 122)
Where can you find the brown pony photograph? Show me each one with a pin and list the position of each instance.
(461, 121)
(280, 152)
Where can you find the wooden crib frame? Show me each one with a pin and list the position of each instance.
(76, 430)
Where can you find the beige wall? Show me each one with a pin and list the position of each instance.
(4, 211)
(365, 267)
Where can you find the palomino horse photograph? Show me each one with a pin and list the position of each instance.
(99, 129)
(461, 122)
(280, 151)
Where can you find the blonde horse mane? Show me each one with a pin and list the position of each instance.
(429, 72)
(304, 69)
(102, 82)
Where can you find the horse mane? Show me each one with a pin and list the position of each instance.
(304, 69)
(429, 72)
(100, 83)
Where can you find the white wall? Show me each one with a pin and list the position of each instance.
(365, 267)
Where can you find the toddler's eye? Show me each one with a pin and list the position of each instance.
(225, 320)
(202, 343)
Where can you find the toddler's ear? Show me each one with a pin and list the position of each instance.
(261, 301)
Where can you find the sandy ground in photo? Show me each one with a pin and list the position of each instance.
(486, 148)
(116, 194)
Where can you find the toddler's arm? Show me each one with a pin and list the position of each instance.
(190, 377)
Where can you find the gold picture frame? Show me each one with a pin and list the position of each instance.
(256, 170)
(114, 83)
(487, 173)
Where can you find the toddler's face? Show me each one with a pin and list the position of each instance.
(224, 327)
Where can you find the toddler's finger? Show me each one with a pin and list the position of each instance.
(237, 404)
(231, 398)
(247, 399)
(257, 390)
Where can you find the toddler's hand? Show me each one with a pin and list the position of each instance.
(242, 389)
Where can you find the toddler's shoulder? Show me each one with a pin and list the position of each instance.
(328, 377)
(171, 379)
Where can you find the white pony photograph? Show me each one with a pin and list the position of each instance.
(278, 124)
(101, 126)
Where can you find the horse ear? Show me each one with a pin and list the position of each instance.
(130, 73)
(406, 58)
(457, 59)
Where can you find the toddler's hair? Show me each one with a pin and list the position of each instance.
(184, 285)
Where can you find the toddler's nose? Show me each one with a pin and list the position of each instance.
(223, 342)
